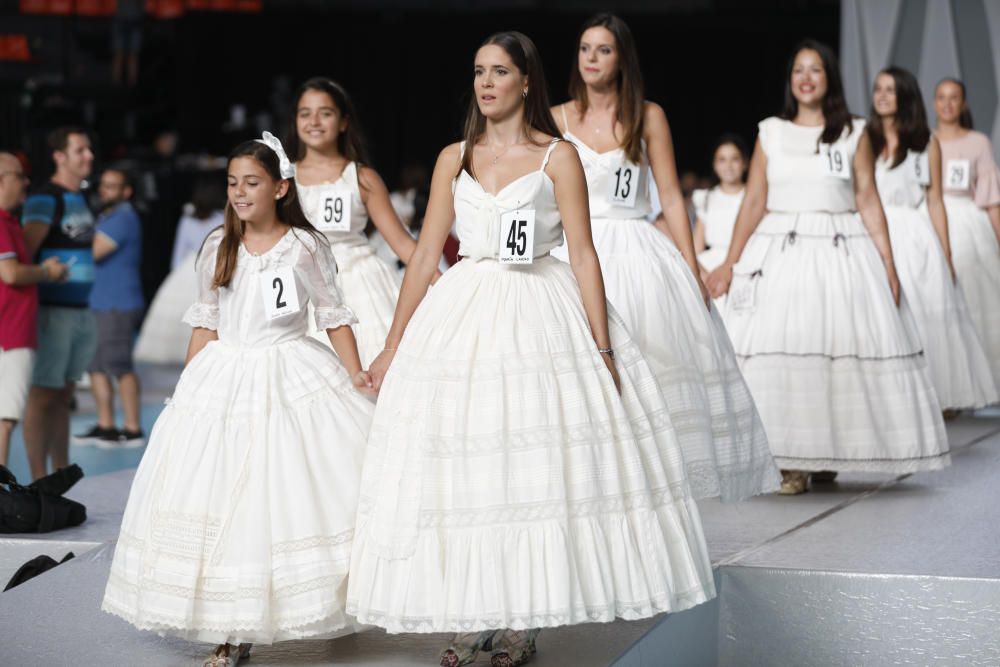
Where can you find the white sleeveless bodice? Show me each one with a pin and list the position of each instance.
(320, 204)
(797, 176)
(478, 213)
(901, 186)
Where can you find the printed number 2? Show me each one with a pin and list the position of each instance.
(622, 189)
(280, 286)
(517, 239)
(334, 213)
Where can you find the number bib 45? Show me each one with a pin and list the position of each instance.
(334, 211)
(624, 184)
(836, 162)
(280, 294)
(517, 237)
(957, 174)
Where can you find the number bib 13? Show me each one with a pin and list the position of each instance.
(836, 162)
(517, 237)
(280, 295)
(921, 168)
(956, 174)
(333, 213)
(624, 184)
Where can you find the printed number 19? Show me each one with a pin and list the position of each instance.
(517, 239)
(836, 161)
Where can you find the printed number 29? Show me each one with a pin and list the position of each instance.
(517, 239)
(280, 286)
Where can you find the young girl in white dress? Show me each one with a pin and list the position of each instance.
(837, 371)
(651, 282)
(339, 192)
(908, 175)
(522, 470)
(972, 199)
(716, 207)
(239, 524)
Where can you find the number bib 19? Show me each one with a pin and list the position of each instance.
(334, 210)
(624, 184)
(956, 174)
(921, 168)
(836, 162)
(280, 295)
(517, 237)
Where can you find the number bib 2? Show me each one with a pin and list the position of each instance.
(333, 213)
(956, 174)
(624, 184)
(280, 294)
(836, 162)
(921, 168)
(517, 237)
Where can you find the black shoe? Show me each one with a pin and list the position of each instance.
(123, 439)
(95, 435)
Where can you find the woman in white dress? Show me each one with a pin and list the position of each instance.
(653, 283)
(522, 471)
(239, 523)
(972, 199)
(838, 374)
(908, 175)
(339, 193)
(716, 207)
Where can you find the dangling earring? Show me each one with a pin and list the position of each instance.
(524, 94)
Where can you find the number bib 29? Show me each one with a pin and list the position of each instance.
(333, 213)
(921, 168)
(836, 162)
(517, 237)
(624, 184)
(956, 174)
(280, 295)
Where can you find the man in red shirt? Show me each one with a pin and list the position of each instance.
(18, 301)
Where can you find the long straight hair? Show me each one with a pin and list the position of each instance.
(631, 89)
(537, 113)
(835, 114)
(964, 118)
(287, 210)
(911, 118)
(350, 142)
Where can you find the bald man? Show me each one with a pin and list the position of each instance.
(18, 301)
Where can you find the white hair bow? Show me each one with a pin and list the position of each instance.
(285, 165)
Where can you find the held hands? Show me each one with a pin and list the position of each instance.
(363, 383)
(56, 271)
(890, 270)
(705, 296)
(720, 279)
(610, 363)
(380, 366)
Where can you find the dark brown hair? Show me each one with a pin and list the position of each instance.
(836, 117)
(736, 141)
(287, 210)
(911, 118)
(631, 89)
(537, 115)
(350, 142)
(58, 139)
(964, 118)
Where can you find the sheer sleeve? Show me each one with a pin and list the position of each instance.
(317, 269)
(986, 188)
(204, 312)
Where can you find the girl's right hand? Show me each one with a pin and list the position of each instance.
(363, 383)
(720, 279)
(380, 366)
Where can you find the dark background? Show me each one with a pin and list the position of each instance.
(715, 66)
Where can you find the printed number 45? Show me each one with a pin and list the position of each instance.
(517, 239)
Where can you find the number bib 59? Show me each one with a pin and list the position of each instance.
(517, 237)
(280, 295)
(956, 174)
(333, 213)
(836, 162)
(624, 184)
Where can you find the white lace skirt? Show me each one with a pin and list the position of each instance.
(835, 367)
(164, 338)
(957, 363)
(506, 483)
(370, 288)
(239, 523)
(650, 285)
(976, 256)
